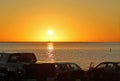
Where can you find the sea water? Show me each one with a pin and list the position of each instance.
(81, 53)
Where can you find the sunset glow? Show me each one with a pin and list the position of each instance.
(50, 47)
(50, 32)
(60, 20)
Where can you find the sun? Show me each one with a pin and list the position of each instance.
(50, 32)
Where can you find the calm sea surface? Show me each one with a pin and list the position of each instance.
(80, 53)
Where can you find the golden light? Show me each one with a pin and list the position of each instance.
(50, 53)
(50, 32)
(50, 46)
(48, 35)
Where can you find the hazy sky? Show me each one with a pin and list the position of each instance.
(70, 20)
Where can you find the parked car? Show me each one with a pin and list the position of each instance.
(25, 67)
(105, 71)
(58, 71)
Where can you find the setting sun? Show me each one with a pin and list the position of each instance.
(50, 32)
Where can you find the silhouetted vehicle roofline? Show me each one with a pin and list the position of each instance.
(111, 62)
(56, 62)
(108, 62)
(16, 53)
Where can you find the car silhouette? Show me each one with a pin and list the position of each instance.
(105, 71)
(25, 67)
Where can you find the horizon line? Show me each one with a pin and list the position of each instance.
(59, 42)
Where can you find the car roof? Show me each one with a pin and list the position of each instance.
(109, 62)
(56, 62)
(17, 53)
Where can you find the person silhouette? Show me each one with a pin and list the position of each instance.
(110, 49)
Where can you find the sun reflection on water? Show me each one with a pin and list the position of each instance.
(50, 52)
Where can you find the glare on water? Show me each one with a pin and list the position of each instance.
(50, 53)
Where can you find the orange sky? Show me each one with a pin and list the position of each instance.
(70, 20)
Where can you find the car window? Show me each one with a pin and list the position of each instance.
(74, 67)
(110, 66)
(14, 58)
(101, 66)
(62, 67)
(1, 55)
(22, 58)
(118, 65)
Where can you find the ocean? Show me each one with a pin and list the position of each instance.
(81, 53)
